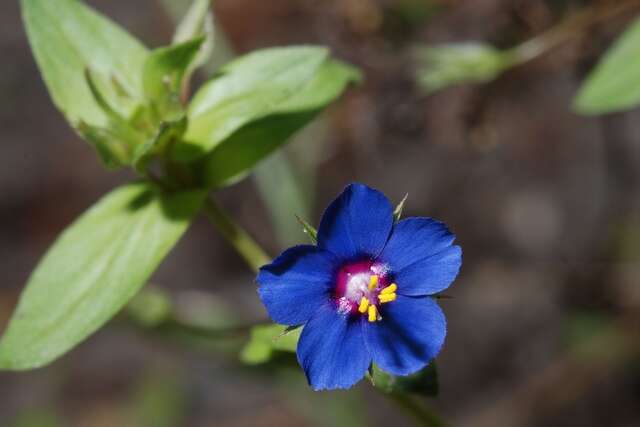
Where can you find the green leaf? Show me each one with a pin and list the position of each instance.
(424, 382)
(614, 85)
(164, 73)
(159, 399)
(67, 38)
(309, 230)
(94, 268)
(233, 159)
(252, 87)
(460, 63)
(235, 154)
(194, 22)
(197, 22)
(265, 339)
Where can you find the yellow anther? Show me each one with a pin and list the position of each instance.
(373, 313)
(364, 304)
(389, 289)
(373, 282)
(386, 298)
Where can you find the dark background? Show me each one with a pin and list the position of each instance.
(544, 325)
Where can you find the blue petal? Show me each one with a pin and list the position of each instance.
(408, 337)
(413, 239)
(332, 351)
(430, 275)
(357, 223)
(421, 256)
(297, 283)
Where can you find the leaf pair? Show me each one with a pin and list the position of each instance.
(117, 94)
(110, 87)
(128, 102)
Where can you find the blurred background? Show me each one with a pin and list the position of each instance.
(544, 323)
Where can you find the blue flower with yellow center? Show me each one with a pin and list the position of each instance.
(363, 293)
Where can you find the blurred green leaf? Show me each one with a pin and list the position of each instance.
(283, 190)
(37, 418)
(614, 85)
(150, 307)
(321, 409)
(159, 401)
(234, 155)
(424, 382)
(67, 38)
(592, 335)
(164, 73)
(197, 22)
(263, 83)
(460, 63)
(94, 268)
(265, 339)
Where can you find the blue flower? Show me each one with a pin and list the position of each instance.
(363, 293)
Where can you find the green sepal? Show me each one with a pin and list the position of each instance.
(397, 212)
(309, 230)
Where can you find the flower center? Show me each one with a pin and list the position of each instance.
(362, 287)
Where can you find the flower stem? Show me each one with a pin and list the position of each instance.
(244, 244)
(571, 27)
(422, 415)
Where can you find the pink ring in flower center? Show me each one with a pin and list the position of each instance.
(361, 287)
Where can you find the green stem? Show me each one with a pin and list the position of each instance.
(252, 253)
(421, 414)
(571, 27)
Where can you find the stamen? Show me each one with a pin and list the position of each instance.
(364, 304)
(386, 298)
(373, 313)
(389, 289)
(373, 282)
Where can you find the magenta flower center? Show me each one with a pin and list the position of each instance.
(361, 287)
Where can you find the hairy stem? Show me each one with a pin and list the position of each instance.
(244, 244)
